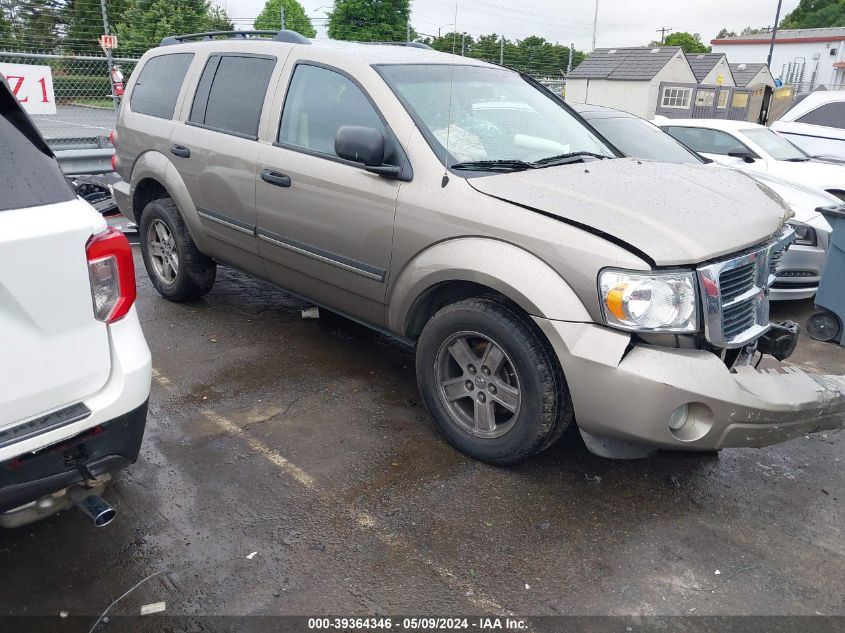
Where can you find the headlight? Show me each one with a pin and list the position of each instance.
(805, 235)
(649, 301)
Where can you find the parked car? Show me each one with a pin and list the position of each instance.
(543, 279)
(756, 148)
(800, 268)
(74, 365)
(816, 124)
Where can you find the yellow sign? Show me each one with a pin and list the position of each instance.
(720, 79)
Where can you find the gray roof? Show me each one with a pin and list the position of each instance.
(703, 63)
(742, 77)
(631, 64)
(784, 34)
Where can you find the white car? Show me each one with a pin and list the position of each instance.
(74, 366)
(755, 147)
(816, 124)
(800, 268)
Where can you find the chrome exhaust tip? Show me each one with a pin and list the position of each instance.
(98, 511)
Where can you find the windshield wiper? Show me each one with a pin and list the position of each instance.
(798, 159)
(494, 165)
(571, 157)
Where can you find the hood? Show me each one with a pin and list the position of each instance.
(671, 213)
(801, 199)
(811, 173)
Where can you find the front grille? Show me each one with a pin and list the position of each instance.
(735, 292)
(736, 282)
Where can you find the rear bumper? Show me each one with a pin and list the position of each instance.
(630, 394)
(103, 449)
(122, 195)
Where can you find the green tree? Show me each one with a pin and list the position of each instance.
(690, 42)
(270, 17)
(815, 14)
(5, 26)
(39, 23)
(725, 33)
(370, 20)
(146, 22)
(84, 23)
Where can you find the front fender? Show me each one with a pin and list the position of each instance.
(517, 274)
(158, 167)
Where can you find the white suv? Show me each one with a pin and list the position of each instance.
(74, 365)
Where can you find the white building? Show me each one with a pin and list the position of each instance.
(804, 58)
(628, 78)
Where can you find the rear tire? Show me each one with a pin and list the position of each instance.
(491, 382)
(176, 267)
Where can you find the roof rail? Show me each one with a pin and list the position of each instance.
(291, 37)
(408, 44)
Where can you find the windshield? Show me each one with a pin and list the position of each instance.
(640, 139)
(495, 115)
(774, 144)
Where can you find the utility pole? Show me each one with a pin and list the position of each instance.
(595, 24)
(282, 12)
(663, 32)
(463, 35)
(774, 33)
(115, 99)
(502, 51)
(569, 63)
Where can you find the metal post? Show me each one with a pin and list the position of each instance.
(463, 35)
(595, 24)
(282, 12)
(115, 99)
(569, 63)
(774, 32)
(502, 52)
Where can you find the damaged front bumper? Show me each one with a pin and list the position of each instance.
(630, 400)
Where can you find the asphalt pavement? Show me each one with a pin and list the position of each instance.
(289, 468)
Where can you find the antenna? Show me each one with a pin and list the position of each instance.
(445, 179)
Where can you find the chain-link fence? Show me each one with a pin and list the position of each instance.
(85, 107)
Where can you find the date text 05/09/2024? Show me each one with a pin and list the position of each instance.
(416, 623)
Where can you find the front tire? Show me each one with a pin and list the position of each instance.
(490, 381)
(176, 267)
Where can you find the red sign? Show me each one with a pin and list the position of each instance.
(107, 42)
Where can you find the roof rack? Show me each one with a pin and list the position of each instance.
(408, 44)
(291, 37)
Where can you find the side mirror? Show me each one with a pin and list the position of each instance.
(744, 154)
(363, 145)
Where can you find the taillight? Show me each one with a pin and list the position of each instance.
(114, 162)
(112, 274)
(113, 137)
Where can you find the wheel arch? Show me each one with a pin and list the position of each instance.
(467, 267)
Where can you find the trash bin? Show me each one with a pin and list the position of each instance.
(826, 324)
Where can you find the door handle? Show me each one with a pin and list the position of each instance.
(180, 150)
(275, 178)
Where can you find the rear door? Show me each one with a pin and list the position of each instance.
(216, 149)
(820, 131)
(53, 351)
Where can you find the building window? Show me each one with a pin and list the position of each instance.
(723, 99)
(704, 98)
(832, 52)
(677, 97)
(740, 100)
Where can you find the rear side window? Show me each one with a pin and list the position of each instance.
(706, 141)
(231, 92)
(318, 102)
(159, 83)
(828, 115)
(29, 175)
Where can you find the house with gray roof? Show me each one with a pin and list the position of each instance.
(752, 75)
(711, 69)
(628, 78)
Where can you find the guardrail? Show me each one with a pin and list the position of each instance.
(75, 162)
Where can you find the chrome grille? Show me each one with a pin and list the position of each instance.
(736, 281)
(735, 293)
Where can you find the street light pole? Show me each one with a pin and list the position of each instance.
(595, 24)
(774, 33)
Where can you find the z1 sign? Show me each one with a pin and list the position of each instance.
(32, 85)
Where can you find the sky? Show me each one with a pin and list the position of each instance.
(620, 22)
